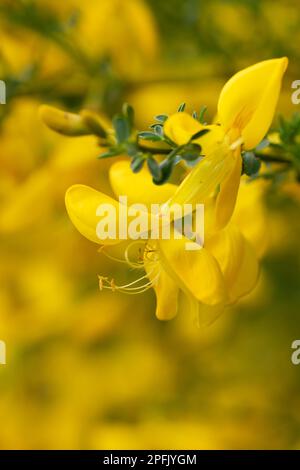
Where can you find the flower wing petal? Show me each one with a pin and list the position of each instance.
(82, 203)
(138, 187)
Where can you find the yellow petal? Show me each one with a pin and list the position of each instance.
(205, 176)
(248, 100)
(138, 187)
(250, 214)
(226, 198)
(196, 272)
(180, 127)
(247, 275)
(82, 203)
(237, 260)
(227, 247)
(202, 314)
(166, 291)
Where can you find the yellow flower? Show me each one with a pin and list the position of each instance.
(201, 281)
(245, 111)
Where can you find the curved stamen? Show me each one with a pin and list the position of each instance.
(127, 261)
(134, 264)
(113, 258)
(105, 283)
(148, 255)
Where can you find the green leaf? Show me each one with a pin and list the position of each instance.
(201, 114)
(122, 128)
(154, 168)
(159, 130)
(166, 167)
(150, 136)
(251, 164)
(113, 152)
(128, 112)
(200, 134)
(191, 152)
(161, 118)
(181, 108)
(137, 163)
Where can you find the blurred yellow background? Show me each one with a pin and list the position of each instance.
(90, 370)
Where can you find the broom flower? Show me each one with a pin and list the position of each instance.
(246, 109)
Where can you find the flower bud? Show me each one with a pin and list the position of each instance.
(62, 122)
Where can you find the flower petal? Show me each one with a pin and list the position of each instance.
(237, 260)
(250, 214)
(138, 187)
(227, 248)
(196, 272)
(248, 100)
(227, 196)
(205, 176)
(82, 203)
(202, 314)
(166, 291)
(247, 275)
(180, 127)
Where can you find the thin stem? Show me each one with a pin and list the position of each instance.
(272, 158)
(155, 151)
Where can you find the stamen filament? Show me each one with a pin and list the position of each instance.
(237, 143)
(127, 288)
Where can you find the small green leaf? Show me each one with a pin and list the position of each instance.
(150, 136)
(191, 152)
(161, 118)
(166, 167)
(128, 112)
(195, 115)
(113, 152)
(181, 108)
(192, 163)
(137, 163)
(122, 128)
(200, 134)
(159, 130)
(251, 164)
(201, 114)
(154, 168)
